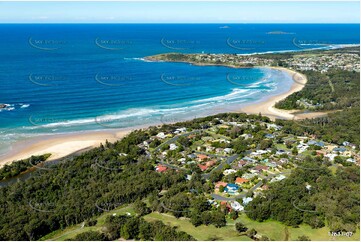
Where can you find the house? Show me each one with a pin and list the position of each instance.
(351, 160)
(269, 136)
(284, 160)
(229, 171)
(161, 168)
(231, 189)
(321, 152)
(228, 150)
(302, 147)
(346, 143)
(240, 164)
(281, 152)
(181, 130)
(173, 147)
(246, 200)
(209, 148)
(223, 126)
(331, 157)
(207, 138)
(240, 180)
(182, 160)
(273, 126)
(202, 167)
(248, 159)
(202, 157)
(314, 142)
(248, 175)
(339, 149)
(226, 205)
(258, 152)
(211, 163)
(220, 183)
(264, 187)
(236, 206)
(260, 168)
(219, 150)
(192, 156)
(247, 136)
(271, 164)
(278, 178)
(161, 135)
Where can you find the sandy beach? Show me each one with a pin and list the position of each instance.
(62, 145)
(267, 108)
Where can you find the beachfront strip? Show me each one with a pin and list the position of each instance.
(240, 173)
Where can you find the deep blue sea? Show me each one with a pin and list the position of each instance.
(59, 78)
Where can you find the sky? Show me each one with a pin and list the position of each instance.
(180, 12)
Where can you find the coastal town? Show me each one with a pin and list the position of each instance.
(237, 175)
(299, 61)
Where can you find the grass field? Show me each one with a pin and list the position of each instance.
(272, 229)
(277, 231)
(71, 232)
(199, 233)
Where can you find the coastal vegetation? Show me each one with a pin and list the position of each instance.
(17, 167)
(333, 90)
(313, 196)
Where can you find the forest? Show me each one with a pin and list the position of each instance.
(314, 196)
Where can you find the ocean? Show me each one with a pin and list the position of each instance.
(62, 78)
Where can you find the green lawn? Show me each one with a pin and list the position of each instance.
(277, 231)
(199, 233)
(272, 229)
(71, 232)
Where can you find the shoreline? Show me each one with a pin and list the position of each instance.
(61, 145)
(266, 107)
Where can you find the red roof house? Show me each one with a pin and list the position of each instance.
(161, 168)
(240, 180)
(220, 183)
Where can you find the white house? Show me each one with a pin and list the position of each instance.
(236, 206)
(172, 147)
(246, 200)
(161, 135)
(229, 171)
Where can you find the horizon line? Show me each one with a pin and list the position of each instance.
(176, 23)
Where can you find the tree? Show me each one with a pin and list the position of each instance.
(90, 236)
(240, 227)
(251, 233)
(304, 238)
(218, 219)
(221, 188)
(140, 207)
(233, 215)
